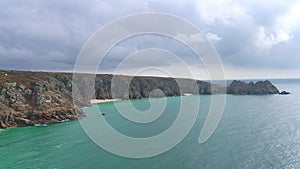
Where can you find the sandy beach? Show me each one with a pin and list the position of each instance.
(95, 101)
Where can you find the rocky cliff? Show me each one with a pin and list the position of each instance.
(258, 88)
(29, 98)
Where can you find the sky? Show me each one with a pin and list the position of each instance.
(254, 39)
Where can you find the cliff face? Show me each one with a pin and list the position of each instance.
(28, 98)
(258, 88)
(141, 87)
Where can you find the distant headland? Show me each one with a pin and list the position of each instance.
(30, 98)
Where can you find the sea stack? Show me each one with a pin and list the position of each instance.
(258, 88)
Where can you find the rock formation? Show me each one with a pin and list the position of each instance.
(258, 88)
(29, 98)
(284, 93)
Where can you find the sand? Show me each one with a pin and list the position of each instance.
(94, 101)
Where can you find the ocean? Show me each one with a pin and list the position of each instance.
(254, 132)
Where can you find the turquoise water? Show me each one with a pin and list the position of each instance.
(255, 132)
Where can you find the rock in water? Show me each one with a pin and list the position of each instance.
(258, 88)
(284, 93)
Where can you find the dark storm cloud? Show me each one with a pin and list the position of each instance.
(48, 35)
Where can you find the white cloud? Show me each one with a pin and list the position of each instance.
(213, 37)
(282, 30)
(267, 38)
(191, 39)
(291, 20)
(225, 11)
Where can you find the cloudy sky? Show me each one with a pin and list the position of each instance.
(254, 39)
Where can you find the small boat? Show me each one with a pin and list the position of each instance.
(103, 114)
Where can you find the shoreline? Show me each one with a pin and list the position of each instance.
(95, 101)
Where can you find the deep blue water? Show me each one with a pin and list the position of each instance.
(255, 132)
